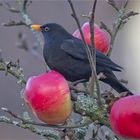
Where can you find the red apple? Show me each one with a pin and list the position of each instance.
(125, 117)
(100, 37)
(48, 96)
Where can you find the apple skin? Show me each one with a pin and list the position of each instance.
(125, 117)
(101, 38)
(48, 96)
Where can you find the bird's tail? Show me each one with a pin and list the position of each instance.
(115, 84)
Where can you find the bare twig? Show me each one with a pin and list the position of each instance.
(45, 133)
(105, 27)
(93, 52)
(91, 22)
(121, 20)
(26, 20)
(17, 73)
(10, 8)
(24, 121)
(88, 51)
(13, 23)
(113, 4)
(25, 4)
(23, 44)
(81, 32)
(125, 3)
(12, 114)
(7, 67)
(129, 14)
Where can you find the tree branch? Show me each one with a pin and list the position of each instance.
(113, 4)
(45, 133)
(24, 121)
(125, 3)
(93, 52)
(8, 68)
(14, 23)
(10, 8)
(26, 20)
(105, 27)
(121, 20)
(88, 51)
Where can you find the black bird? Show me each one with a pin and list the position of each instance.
(66, 54)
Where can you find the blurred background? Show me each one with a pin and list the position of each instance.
(126, 51)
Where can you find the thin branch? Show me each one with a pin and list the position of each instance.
(16, 74)
(24, 121)
(88, 51)
(10, 8)
(26, 20)
(25, 4)
(113, 4)
(13, 23)
(117, 26)
(94, 75)
(105, 27)
(45, 133)
(125, 4)
(129, 14)
(121, 20)
(13, 74)
(81, 32)
(91, 22)
(7, 67)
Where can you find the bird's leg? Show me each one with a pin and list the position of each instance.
(91, 83)
(124, 81)
(101, 76)
(78, 81)
(76, 89)
(72, 86)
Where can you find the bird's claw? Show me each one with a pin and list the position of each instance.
(101, 76)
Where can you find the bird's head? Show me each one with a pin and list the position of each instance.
(51, 30)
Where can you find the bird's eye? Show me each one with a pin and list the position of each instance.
(46, 29)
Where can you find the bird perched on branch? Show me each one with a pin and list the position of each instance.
(66, 54)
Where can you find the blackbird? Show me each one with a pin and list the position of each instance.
(66, 54)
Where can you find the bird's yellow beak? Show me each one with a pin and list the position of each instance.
(36, 27)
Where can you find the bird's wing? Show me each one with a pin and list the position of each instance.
(75, 48)
(104, 60)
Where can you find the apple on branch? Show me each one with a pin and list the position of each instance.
(48, 96)
(125, 117)
(101, 38)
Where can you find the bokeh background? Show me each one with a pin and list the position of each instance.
(126, 51)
